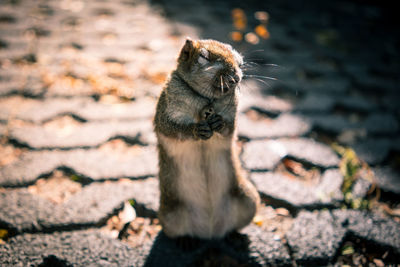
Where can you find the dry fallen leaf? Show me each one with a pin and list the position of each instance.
(379, 263)
(258, 220)
(262, 31)
(257, 116)
(236, 36)
(239, 19)
(57, 188)
(3, 233)
(282, 212)
(157, 77)
(297, 168)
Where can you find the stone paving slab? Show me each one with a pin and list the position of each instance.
(382, 123)
(316, 236)
(372, 227)
(39, 111)
(387, 179)
(373, 150)
(80, 248)
(326, 103)
(28, 168)
(372, 83)
(360, 188)
(286, 125)
(356, 103)
(261, 155)
(141, 162)
(311, 151)
(266, 104)
(85, 135)
(282, 190)
(374, 124)
(27, 85)
(331, 123)
(331, 85)
(315, 103)
(22, 211)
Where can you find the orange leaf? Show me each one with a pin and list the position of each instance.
(236, 36)
(239, 19)
(262, 31)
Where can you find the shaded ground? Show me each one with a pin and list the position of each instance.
(78, 87)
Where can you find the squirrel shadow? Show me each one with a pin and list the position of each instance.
(234, 250)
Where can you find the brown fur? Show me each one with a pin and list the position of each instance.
(203, 190)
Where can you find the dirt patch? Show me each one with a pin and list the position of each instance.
(277, 221)
(257, 116)
(120, 147)
(9, 154)
(358, 253)
(57, 188)
(64, 125)
(131, 229)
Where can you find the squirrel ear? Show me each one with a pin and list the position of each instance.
(187, 49)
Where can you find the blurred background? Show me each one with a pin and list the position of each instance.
(318, 123)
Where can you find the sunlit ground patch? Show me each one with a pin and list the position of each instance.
(275, 220)
(57, 188)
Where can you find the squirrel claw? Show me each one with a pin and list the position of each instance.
(216, 122)
(203, 130)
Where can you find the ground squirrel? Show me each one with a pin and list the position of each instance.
(204, 191)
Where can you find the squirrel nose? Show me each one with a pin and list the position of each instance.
(234, 79)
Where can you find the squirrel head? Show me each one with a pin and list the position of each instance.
(210, 67)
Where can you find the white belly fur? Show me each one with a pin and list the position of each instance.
(203, 182)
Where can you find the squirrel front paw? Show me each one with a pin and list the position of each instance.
(216, 122)
(203, 130)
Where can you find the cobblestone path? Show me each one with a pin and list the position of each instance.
(78, 85)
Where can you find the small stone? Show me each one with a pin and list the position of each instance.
(282, 212)
(252, 38)
(379, 262)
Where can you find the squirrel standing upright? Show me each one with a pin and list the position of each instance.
(204, 191)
